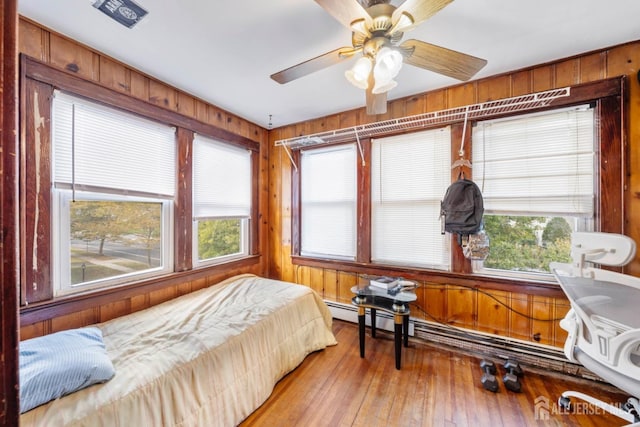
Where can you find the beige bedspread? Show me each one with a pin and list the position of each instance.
(208, 358)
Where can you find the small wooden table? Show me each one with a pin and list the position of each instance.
(374, 299)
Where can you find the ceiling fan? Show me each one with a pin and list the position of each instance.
(377, 31)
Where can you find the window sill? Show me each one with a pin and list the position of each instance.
(67, 304)
(472, 280)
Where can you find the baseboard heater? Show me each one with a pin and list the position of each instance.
(475, 343)
(349, 313)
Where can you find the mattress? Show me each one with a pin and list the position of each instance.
(208, 358)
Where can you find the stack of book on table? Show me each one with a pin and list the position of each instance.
(391, 285)
(385, 283)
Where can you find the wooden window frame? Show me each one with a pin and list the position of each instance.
(609, 97)
(37, 83)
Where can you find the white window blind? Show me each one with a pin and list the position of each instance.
(328, 202)
(98, 148)
(537, 164)
(409, 175)
(221, 180)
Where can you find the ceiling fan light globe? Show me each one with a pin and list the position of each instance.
(358, 75)
(361, 84)
(383, 86)
(388, 62)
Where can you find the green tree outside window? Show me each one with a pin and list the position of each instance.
(527, 243)
(218, 237)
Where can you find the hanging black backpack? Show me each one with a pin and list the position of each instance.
(462, 208)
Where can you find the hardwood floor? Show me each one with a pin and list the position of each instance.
(436, 387)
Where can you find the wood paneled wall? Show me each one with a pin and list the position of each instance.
(533, 316)
(65, 54)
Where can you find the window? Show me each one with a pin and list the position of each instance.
(221, 201)
(537, 176)
(543, 173)
(328, 202)
(114, 182)
(409, 175)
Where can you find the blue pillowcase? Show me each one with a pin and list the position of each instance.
(58, 364)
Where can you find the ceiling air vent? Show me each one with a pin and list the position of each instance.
(126, 12)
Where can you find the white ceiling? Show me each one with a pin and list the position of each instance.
(224, 51)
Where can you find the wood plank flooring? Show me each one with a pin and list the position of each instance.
(437, 386)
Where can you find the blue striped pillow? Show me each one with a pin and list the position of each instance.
(58, 364)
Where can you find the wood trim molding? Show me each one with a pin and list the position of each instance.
(183, 223)
(254, 223)
(9, 246)
(36, 195)
(363, 222)
(296, 205)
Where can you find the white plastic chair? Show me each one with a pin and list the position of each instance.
(604, 320)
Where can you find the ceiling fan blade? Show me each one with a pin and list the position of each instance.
(376, 103)
(442, 60)
(345, 11)
(315, 64)
(420, 10)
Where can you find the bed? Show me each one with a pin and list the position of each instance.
(208, 358)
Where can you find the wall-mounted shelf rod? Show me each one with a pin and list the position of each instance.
(451, 115)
